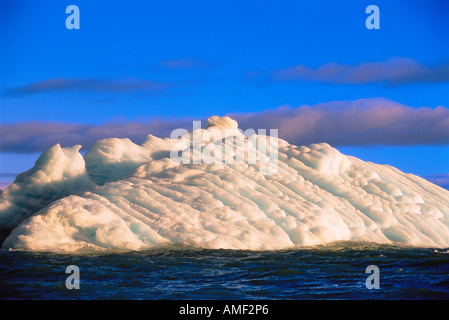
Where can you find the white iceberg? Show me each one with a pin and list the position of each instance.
(123, 196)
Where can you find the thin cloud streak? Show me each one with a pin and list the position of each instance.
(440, 179)
(5, 184)
(184, 63)
(395, 71)
(124, 85)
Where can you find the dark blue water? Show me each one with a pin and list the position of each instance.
(323, 272)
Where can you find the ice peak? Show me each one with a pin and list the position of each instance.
(222, 123)
(57, 159)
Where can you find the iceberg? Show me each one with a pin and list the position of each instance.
(124, 196)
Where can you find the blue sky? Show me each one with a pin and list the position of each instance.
(132, 62)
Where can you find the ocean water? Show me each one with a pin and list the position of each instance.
(336, 271)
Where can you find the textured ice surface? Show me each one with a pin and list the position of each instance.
(124, 196)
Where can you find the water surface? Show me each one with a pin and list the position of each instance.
(334, 271)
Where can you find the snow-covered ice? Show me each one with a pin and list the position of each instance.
(124, 196)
